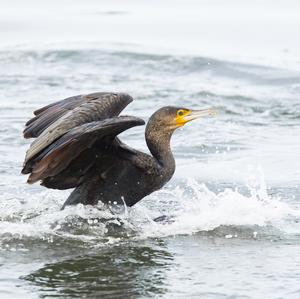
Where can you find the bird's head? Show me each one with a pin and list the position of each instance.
(170, 118)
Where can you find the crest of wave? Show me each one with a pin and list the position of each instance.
(195, 208)
(188, 208)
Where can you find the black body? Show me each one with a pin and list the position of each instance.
(77, 147)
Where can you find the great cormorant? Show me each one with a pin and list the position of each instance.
(76, 146)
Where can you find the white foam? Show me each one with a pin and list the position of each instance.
(201, 209)
(192, 207)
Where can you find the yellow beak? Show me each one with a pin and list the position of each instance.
(193, 114)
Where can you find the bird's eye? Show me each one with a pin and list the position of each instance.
(180, 112)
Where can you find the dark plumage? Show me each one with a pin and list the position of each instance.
(76, 146)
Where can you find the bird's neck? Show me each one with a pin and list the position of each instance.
(158, 142)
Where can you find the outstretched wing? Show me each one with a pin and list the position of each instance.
(56, 157)
(53, 121)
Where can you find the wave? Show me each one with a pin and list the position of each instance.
(164, 63)
(188, 208)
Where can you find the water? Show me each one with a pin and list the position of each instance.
(234, 202)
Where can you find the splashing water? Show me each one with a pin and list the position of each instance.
(198, 209)
(188, 208)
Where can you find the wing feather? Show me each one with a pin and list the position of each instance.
(45, 115)
(64, 150)
(53, 121)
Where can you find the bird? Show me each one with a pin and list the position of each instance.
(77, 147)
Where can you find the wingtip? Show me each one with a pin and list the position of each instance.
(33, 178)
(24, 170)
(125, 96)
(138, 121)
(30, 181)
(26, 134)
(141, 122)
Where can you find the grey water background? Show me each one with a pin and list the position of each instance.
(234, 199)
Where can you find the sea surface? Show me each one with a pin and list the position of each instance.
(234, 202)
